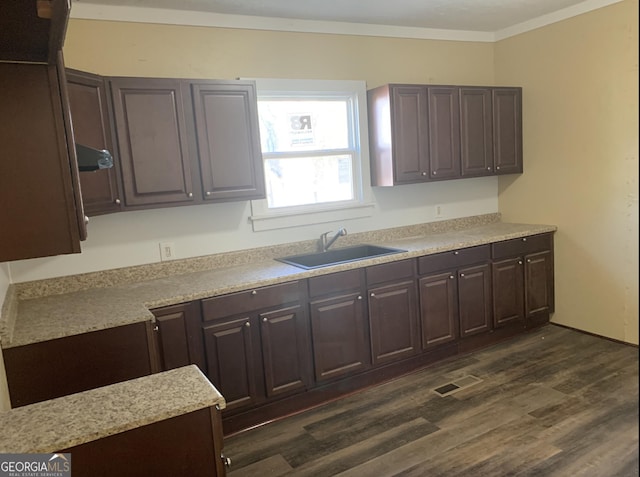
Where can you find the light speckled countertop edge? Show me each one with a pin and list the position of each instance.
(76, 419)
(85, 310)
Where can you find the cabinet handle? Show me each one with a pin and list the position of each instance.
(117, 201)
(226, 461)
(488, 168)
(86, 220)
(247, 324)
(190, 194)
(519, 262)
(155, 328)
(373, 294)
(456, 253)
(254, 293)
(207, 193)
(424, 173)
(451, 277)
(435, 172)
(497, 168)
(359, 297)
(528, 260)
(462, 274)
(264, 320)
(524, 239)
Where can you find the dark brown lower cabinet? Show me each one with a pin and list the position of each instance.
(179, 336)
(455, 295)
(50, 369)
(338, 325)
(523, 280)
(186, 445)
(259, 354)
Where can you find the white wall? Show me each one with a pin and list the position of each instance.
(132, 238)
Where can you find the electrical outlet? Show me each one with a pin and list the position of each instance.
(438, 211)
(167, 251)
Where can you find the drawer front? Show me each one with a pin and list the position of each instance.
(388, 272)
(453, 259)
(336, 282)
(249, 300)
(521, 246)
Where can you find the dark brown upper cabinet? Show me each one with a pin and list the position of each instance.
(41, 211)
(153, 142)
(185, 142)
(444, 133)
(91, 127)
(33, 31)
(507, 130)
(476, 132)
(421, 133)
(228, 140)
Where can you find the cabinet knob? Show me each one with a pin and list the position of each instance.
(497, 168)
(117, 201)
(424, 173)
(226, 461)
(524, 239)
(462, 274)
(86, 220)
(359, 297)
(207, 193)
(265, 319)
(247, 324)
(155, 328)
(488, 168)
(456, 253)
(372, 294)
(451, 277)
(254, 293)
(528, 260)
(434, 172)
(190, 194)
(519, 262)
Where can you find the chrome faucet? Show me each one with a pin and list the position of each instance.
(325, 244)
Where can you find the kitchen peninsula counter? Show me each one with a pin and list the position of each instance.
(76, 419)
(105, 303)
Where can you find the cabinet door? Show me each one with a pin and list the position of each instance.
(230, 347)
(338, 334)
(507, 130)
(91, 127)
(393, 322)
(152, 141)
(285, 350)
(539, 296)
(410, 137)
(444, 132)
(438, 309)
(41, 210)
(474, 299)
(476, 132)
(179, 336)
(228, 138)
(508, 292)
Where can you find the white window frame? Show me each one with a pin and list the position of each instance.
(264, 218)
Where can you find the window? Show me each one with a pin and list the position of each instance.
(312, 148)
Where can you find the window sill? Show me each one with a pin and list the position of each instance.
(296, 219)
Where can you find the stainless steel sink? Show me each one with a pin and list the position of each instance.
(338, 255)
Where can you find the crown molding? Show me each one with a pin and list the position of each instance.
(90, 11)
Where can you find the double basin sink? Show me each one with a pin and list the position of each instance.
(309, 261)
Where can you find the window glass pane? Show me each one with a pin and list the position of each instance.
(308, 180)
(303, 125)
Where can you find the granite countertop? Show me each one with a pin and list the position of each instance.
(75, 419)
(56, 316)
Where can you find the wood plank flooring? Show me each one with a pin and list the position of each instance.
(555, 402)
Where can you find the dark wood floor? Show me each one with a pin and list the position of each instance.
(555, 402)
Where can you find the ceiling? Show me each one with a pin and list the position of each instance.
(460, 15)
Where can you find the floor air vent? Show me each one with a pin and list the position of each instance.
(457, 385)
